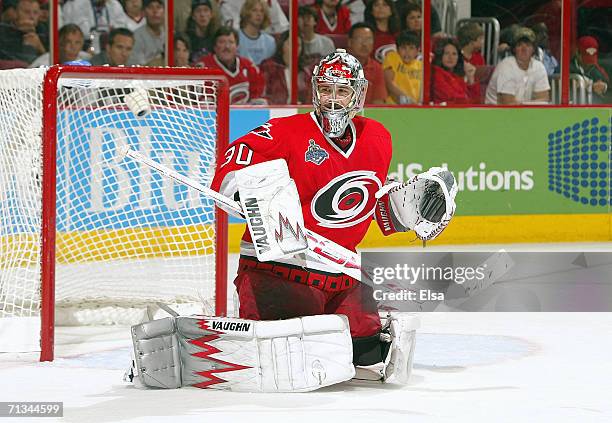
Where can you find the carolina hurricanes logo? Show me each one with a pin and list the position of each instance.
(346, 200)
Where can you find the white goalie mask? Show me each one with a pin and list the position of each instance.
(338, 91)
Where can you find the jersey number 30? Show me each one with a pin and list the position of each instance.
(241, 154)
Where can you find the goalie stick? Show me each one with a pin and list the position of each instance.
(319, 247)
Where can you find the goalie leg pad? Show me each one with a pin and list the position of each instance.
(401, 329)
(295, 355)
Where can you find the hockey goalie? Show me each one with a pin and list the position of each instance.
(302, 325)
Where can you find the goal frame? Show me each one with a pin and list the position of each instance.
(49, 156)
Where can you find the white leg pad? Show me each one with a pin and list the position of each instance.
(295, 355)
(402, 330)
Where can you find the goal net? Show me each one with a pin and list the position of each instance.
(90, 237)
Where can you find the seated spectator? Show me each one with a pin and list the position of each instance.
(230, 13)
(182, 51)
(254, 43)
(471, 38)
(333, 18)
(276, 71)
(506, 38)
(361, 45)
(149, 40)
(117, 50)
(452, 80)
(245, 80)
(315, 46)
(586, 63)
(71, 44)
(411, 18)
(134, 14)
(23, 39)
(382, 16)
(95, 18)
(8, 12)
(403, 71)
(543, 53)
(519, 78)
(201, 27)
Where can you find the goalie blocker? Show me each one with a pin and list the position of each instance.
(294, 355)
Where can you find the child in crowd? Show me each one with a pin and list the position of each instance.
(403, 71)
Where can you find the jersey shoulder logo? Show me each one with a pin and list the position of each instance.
(346, 200)
(315, 154)
(263, 131)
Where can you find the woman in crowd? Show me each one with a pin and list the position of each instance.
(201, 26)
(383, 17)
(452, 80)
(276, 71)
(182, 51)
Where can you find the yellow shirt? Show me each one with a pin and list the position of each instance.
(407, 76)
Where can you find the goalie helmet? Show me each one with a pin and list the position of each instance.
(338, 91)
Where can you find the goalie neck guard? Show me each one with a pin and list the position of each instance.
(338, 91)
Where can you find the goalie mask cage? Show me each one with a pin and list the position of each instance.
(90, 237)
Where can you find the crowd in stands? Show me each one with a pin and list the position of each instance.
(249, 41)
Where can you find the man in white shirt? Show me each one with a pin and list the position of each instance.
(520, 78)
(94, 18)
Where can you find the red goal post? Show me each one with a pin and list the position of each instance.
(91, 238)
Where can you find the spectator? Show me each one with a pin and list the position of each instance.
(361, 45)
(543, 53)
(333, 18)
(149, 40)
(586, 63)
(245, 80)
(382, 16)
(9, 12)
(71, 42)
(471, 38)
(315, 46)
(254, 43)
(182, 51)
(403, 71)
(134, 14)
(23, 39)
(118, 49)
(452, 80)
(519, 78)
(411, 17)
(230, 13)
(95, 18)
(276, 71)
(201, 27)
(506, 38)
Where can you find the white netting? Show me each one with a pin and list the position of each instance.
(126, 237)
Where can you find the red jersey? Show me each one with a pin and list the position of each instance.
(341, 26)
(336, 188)
(245, 83)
